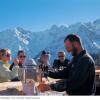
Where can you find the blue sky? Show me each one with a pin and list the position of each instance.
(36, 15)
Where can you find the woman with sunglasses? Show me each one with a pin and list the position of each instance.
(5, 73)
(21, 55)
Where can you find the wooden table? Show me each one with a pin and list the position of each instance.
(11, 88)
(15, 88)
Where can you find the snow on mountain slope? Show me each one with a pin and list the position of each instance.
(84, 32)
(51, 39)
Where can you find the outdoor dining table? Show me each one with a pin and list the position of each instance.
(11, 88)
(16, 89)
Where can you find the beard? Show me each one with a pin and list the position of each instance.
(74, 52)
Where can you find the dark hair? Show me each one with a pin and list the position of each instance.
(45, 52)
(20, 51)
(73, 38)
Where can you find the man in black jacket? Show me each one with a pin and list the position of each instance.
(79, 77)
(61, 62)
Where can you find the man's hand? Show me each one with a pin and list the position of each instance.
(16, 61)
(58, 81)
(43, 87)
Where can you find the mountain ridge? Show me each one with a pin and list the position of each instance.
(51, 39)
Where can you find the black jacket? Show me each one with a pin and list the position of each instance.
(57, 63)
(79, 76)
(11, 66)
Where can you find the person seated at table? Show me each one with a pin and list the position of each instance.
(21, 55)
(61, 61)
(79, 79)
(6, 74)
(43, 62)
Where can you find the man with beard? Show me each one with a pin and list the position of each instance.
(79, 77)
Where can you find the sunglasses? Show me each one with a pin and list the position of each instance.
(22, 56)
(61, 56)
(8, 55)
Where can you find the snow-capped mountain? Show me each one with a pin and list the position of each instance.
(51, 39)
